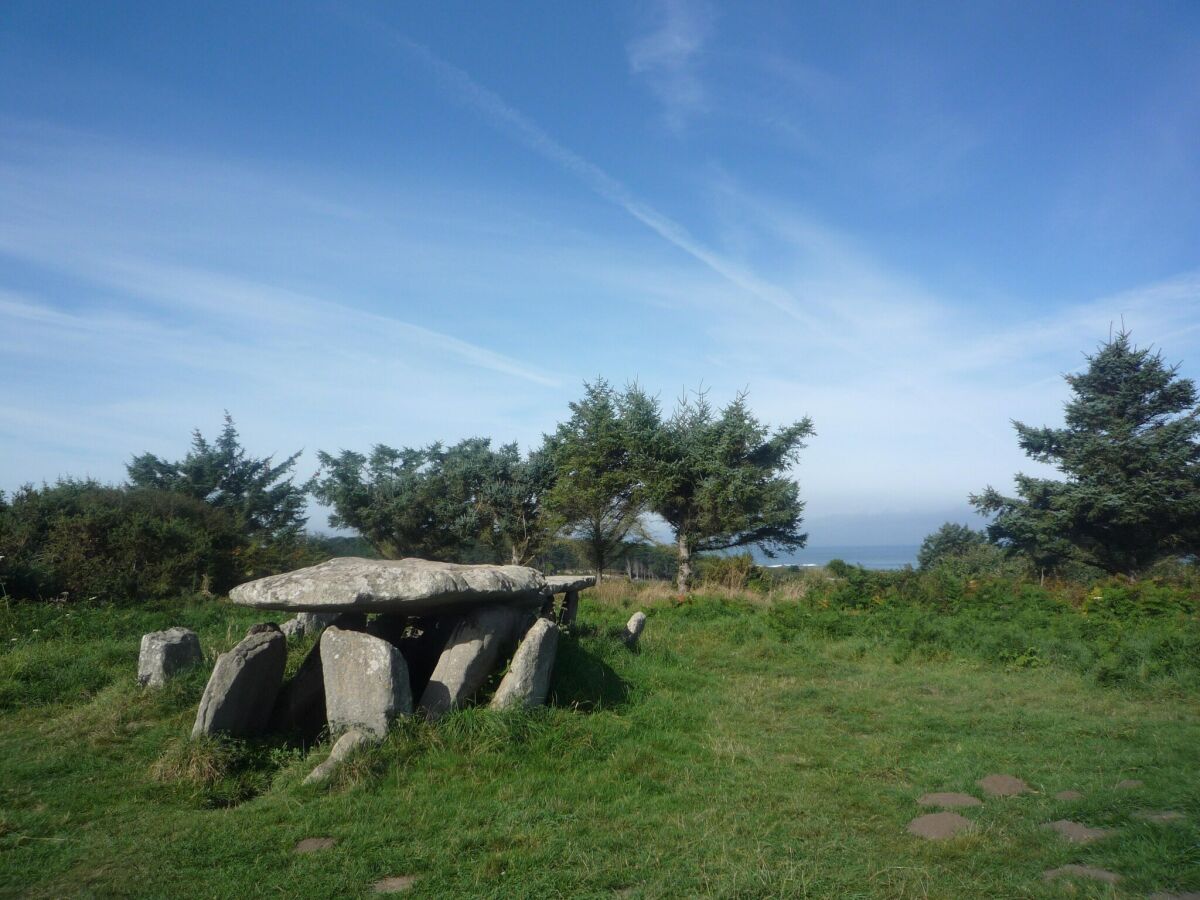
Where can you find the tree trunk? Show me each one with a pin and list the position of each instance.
(684, 578)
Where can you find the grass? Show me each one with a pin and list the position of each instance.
(746, 750)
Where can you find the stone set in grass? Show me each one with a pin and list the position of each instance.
(944, 825)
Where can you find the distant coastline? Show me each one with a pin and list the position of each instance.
(884, 556)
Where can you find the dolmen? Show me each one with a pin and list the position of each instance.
(398, 637)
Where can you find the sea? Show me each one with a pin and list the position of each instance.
(887, 556)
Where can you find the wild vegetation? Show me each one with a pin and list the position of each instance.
(823, 705)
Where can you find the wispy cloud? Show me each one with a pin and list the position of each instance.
(668, 57)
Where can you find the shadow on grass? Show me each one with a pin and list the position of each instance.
(584, 681)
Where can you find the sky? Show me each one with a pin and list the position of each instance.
(358, 223)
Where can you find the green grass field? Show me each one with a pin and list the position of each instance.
(739, 753)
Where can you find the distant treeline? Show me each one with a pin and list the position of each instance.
(718, 479)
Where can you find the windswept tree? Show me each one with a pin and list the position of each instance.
(439, 502)
(1129, 456)
(596, 494)
(718, 478)
(258, 492)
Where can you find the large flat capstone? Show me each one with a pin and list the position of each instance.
(409, 586)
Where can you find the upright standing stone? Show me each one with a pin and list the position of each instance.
(366, 682)
(163, 653)
(633, 629)
(470, 656)
(242, 689)
(570, 609)
(527, 682)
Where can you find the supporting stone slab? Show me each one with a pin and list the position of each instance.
(472, 653)
(527, 682)
(241, 692)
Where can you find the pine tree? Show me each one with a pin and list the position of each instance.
(718, 478)
(1130, 458)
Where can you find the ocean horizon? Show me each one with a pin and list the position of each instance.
(883, 556)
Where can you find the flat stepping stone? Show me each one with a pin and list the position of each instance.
(948, 800)
(1076, 832)
(1166, 815)
(1190, 895)
(939, 826)
(1003, 785)
(1129, 784)
(1076, 871)
(397, 884)
(1068, 795)
(312, 845)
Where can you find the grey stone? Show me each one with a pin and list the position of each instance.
(1003, 785)
(312, 845)
(939, 826)
(561, 584)
(633, 628)
(366, 682)
(949, 801)
(243, 686)
(163, 653)
(472, 652)
(1076, 871)
(1158, 816)
(343, 747)
(1076, 832)
(397, 884)
(305, 623)
(527, 682)
(409, 586)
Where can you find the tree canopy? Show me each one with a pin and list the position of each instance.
(451, 503)
(718, 477)
(1130, 459)
(596, 495)
(259, 493)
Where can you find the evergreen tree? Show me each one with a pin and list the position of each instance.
(1130, 458)
(462, 502)
(596, 495)
(258, 493)
(718, 478)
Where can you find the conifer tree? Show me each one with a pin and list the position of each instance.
(1129, 455)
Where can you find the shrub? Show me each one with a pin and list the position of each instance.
(83, 539)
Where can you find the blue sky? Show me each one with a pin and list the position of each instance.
(361, 223)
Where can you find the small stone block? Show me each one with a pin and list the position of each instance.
(939, 826)
(397, 884)
(1003, 785)
(1076, 832)
(312, 845)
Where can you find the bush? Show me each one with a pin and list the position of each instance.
(82, 539)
